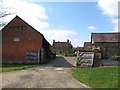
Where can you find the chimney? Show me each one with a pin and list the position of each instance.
(53, 40)
(68, 40)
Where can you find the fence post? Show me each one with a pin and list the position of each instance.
(38, 57)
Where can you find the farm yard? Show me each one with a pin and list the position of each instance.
(59, 73)
(59, 45)
(55, 74)
(51, 71)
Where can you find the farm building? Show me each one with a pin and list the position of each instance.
(19, 40)
(62, 47)
(108, 43)
(87, 46)
(81, 49)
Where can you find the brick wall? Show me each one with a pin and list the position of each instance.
(29, 39)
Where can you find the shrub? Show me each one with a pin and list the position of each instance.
(117, 58)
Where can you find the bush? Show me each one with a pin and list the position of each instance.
(117, 58)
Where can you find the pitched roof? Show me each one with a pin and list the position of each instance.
(87, 44)
(79, 48)
(105, 37)
(60, 44)
(17, 17)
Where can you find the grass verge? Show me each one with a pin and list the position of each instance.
(67, 55)
(12, 67)
(99, 77)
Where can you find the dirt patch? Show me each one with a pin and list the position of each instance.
(56, 74)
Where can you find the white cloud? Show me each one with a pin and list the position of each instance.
(110, 9)
(60, 35)
(76, 42)
(115, 23)
(30, 12)
(91, 27)
(34, 15)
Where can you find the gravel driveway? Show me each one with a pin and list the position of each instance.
(55, 74)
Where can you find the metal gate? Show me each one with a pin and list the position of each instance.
(85, 59)
(32, 57)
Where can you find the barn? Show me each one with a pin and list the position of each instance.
(19, 40)
(109, 43)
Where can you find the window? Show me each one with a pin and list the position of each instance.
(16, 39)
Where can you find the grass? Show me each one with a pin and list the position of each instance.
(60, 54)
(67, 55)
(99, 77)
(12, 67)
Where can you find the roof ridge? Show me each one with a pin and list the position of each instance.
(108, 33)
(103, 37)
(25, 23)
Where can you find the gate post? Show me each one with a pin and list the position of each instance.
(97, 58)
(39, 56)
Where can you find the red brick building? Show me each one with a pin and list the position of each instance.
(18, 37)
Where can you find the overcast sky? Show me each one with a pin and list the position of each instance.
(66, 20)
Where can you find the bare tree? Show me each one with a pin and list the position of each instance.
(3, 14)
(4, 11)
